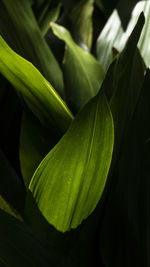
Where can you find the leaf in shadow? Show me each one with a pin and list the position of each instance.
(124, 238)
(36, 141)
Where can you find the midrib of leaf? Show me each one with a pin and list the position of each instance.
(90, 147)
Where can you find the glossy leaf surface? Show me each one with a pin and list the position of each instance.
(35, 89)
(70, 180)
(84, 78)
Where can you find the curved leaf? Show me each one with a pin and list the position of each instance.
(20, 29)
(36, 90)
(84, 78)
(70, 180)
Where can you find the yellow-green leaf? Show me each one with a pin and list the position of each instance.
(70, 181)
(38, 93)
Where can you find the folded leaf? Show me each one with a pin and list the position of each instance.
(70, 180)
(20, 29)
(84, 78)
(35, 89)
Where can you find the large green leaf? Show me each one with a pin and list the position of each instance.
(21, 246)
(114, 36)
(35, 142)
(82, 72)
(125, 228)
(70, 180)
(36, 90)
(81, 17)
(20, 29)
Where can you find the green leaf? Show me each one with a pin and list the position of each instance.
(20, 30)
(21, 246)
(81, 18)
(45, 13)
(36, 90)
(84, 78)
(70, 180)
(35, 142)
(11, 188)
(4, 205)
(127, 82)
(113, 35)
(125, 226)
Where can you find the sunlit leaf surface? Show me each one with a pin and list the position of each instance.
(35, 89)
(20, 30)
(70, 180)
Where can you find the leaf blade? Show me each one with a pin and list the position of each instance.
(64, 195)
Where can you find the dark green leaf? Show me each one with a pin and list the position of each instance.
(127, 82)
(83, 74)
(70, 180)
(81, 18)
(4, 205)
(35, 142)
(21, 246)
(36, 90)
(125, 229)
(11, 187)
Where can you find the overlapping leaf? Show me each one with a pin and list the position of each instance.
(36, 90)
(69, 182)
(114, 36)
(127, 210)
(84, 78)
